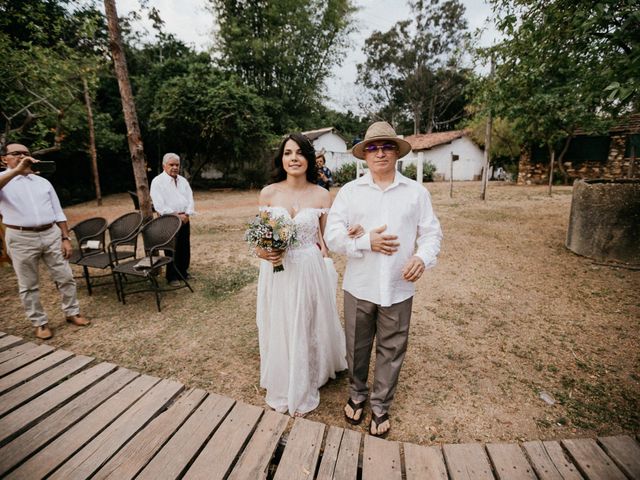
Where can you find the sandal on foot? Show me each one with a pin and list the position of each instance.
(355, 407)
(379, 420)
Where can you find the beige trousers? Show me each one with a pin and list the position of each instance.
(365, 321)
(26, 249)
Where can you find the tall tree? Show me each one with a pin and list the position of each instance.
(129, 109)
(556, 63)
(283, 49)
(414, 66)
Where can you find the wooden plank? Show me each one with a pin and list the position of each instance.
(24, 359)
(509, 462)
(9, 341)
(137, 453)
(48, 429)
(625, 451)
(33, 369)
(467, 461)
(178, 452)
(41, 383)
(330, 454)
(256, 456)
(300, 456)
(15, 351)
(89, 459)
(381, 459)
(424, 463)
(592, 462)
(65, 445)
(2, 334)
(550, 462)
(348, 456)
(218, 455)
(27, 415)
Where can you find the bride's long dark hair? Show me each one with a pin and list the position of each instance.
(308, 152)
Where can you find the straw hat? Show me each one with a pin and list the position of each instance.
(381, 131)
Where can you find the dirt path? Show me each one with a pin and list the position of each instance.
(506, 315)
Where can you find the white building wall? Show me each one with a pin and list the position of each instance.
(334, 147)
(468, 167)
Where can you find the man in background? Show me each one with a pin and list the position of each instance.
(171, 194)
(36, 229)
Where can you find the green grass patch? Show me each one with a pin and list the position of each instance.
(228, 279)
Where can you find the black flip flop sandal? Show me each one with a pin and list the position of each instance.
(356, 407)
(378, 420)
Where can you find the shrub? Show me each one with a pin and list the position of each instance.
(345, 173)
(428, 170)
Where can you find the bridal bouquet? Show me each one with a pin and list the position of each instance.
(271, 233)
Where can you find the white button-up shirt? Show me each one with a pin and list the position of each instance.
(171, 195)
(405, 207)
(29, 201)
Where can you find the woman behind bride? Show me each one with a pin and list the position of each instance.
(301, 340)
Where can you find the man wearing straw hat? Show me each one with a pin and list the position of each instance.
(385, 224)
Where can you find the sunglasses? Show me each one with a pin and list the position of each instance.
(386, 148)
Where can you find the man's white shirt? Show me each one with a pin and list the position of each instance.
(171, 196)
(405, 207)
(29, 201)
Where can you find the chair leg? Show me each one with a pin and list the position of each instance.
(184, 280)
(121, 288)
(87, 278)
(156, 290)
(115, 284)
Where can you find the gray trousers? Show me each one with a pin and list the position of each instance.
(26, 249)
(365, 321)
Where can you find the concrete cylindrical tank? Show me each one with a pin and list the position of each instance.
(605, 220)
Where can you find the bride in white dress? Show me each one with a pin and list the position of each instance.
(301, 340)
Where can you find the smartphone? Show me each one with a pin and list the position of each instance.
(45, 167)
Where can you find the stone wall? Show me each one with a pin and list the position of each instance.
(617, 166)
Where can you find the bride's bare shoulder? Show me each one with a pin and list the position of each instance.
(268, 192)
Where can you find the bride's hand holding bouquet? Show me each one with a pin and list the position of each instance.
(270, 236)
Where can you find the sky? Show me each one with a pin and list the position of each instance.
(192, 22)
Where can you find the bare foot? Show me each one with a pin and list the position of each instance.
(299, 415)
(353, 414)
(380, 429)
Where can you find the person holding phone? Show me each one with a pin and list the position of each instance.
(36, 229)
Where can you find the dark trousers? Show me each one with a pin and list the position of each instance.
(183, 254)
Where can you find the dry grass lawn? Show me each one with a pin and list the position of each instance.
(507, 314)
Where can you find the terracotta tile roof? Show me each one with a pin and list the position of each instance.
(425, 141)
(628, 124)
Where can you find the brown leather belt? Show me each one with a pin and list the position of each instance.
(41, 228)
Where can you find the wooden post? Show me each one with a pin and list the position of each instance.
(92, 142)
(632, 159)
(129, 109)
(551, 162)
(419, 169)
(451, 177)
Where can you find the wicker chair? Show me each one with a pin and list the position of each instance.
(158, 237)
(123, 236)
(90, 235)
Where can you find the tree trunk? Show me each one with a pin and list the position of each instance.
(487, 157)
(565, 175)
(92, 142)
(552, 152)
(487, 148)
(128, 107)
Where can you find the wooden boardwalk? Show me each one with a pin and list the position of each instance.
(65, 416)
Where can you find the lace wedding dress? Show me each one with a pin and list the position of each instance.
(302, 343)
